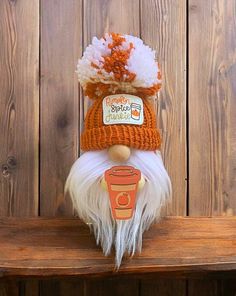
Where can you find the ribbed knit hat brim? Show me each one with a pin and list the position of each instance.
(133, 136)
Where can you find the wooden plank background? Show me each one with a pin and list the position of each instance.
(212, 116)
(42, 109)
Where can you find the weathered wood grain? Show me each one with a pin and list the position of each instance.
(212, 116)
(62, 247)
(19, 114)
(163, 27)
(61, 45)
(19, 107)
(212, 107)
(110, 16)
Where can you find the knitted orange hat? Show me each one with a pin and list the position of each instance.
(120, 73)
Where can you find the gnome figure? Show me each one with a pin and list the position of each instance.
(119, 184)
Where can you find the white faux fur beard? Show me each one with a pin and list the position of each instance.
(92, 202)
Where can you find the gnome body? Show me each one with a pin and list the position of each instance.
(119, 184)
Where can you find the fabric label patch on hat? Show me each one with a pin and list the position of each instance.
(122, 109)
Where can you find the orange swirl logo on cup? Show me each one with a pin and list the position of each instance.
(122, 183)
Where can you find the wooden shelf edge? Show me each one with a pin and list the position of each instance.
(55, 247)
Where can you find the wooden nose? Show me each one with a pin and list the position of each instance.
(119, 153)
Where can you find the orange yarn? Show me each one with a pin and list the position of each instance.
(116, 63)
(98, 136)
(117, 60)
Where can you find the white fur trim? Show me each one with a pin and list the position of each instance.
(92, 202)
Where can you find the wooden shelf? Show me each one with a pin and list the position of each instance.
(64, 247)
